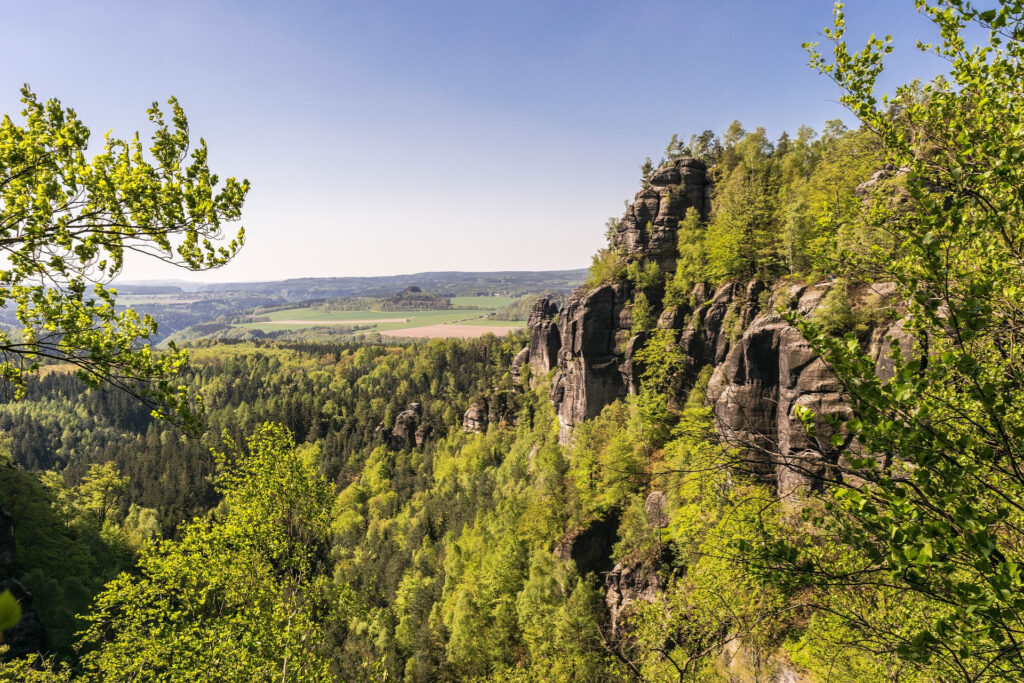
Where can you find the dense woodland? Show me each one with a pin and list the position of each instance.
(301, 534)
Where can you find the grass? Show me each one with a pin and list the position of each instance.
(488, 302)
(402, 319)
(338, 316)
(467, 310)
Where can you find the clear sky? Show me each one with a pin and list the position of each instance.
(395, 137)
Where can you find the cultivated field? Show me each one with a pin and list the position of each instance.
(451, 330)
(468, 320)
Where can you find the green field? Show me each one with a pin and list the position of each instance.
(379, 321)
(489, 302)
(340, 316)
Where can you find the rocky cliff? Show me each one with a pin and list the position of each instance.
(592, 340)
(762, 366)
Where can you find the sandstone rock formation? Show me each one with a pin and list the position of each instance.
(409, 430)
(592, 355)
(406, 424)
(590, 546)
(544, 338)
(516, 370)
(475, 418)
(763, 369)
(624, 585)
(593, 342)
(656, 509)
(649, 227)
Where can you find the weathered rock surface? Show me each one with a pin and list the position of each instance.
(656, 509)
(475, 418)
(763, 369)
(516, 370)
(590, 547)
(591, 358)
(624, 585)
(544, 337)
(651, 222)
(29, 635)
(767, 373)
(406, 423)
(409, 430)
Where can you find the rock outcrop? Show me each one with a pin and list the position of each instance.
(590, 546)
(592, 340)
(624, 585)
(763, 369)
(410, 430)
(592, 358)
(651, 222)
(542, 352)
(475, 418)
(498, 408)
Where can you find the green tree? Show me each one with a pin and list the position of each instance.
(930, 503)
(66, 225)
(242, 594)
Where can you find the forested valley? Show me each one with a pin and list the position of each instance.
(775, 435)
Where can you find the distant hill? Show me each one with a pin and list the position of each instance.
(178, 304)
(446, 283)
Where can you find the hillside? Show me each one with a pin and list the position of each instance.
(774, 433)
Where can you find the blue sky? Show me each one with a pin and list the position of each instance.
(394, 137)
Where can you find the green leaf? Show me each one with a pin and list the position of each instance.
(10, 611)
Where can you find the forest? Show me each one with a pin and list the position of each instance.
(342, 509)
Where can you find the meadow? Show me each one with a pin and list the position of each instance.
(467, 319)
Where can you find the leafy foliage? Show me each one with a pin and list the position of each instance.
(240, 594)
(66, 224)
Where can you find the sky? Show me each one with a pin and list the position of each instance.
(398, 137)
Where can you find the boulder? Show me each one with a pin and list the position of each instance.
(656, 510)
(475, 418)
(406, 424)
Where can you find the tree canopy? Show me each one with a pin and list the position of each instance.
(67, 223)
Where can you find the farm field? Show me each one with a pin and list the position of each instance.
(489, 302)
(433, 323)
(459, 330)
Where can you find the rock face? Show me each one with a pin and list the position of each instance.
(649, 227)
(475, 418)
(29, 635)
(592, 355)
(590, 547)
(409, 431)
(625, 584)
(406, 424)
(656, 509)
(542, 352)
(591, 343)
(763, 369)
(521, 359)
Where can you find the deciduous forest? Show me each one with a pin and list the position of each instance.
(774, 436)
